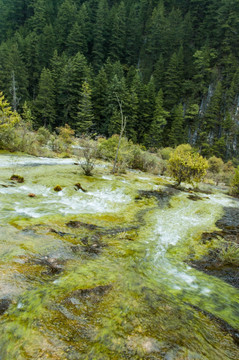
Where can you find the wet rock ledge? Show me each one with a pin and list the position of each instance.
(223, 262)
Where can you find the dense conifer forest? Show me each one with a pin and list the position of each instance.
(174, 65)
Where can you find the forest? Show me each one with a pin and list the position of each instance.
(172, 63)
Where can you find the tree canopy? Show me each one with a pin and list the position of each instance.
(173, 63)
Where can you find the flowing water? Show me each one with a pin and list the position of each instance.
(101, 274)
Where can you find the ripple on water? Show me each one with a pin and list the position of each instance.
(48, 202)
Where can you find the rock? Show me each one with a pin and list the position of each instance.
(145, 345)
(79, 224)
(4, 305)
(17, 178)
(32, 195)
(215, 263)
(79, 187)
(94, 295)
(54, 265)
(57, 188)
(61, 233)
(194, 197)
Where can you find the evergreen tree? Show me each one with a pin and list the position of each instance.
(100, 34)
(131, 114)
(174, 81)
(154, 138)
(75, 41)
(46, 45)
(44, 105)
(13, 73)
(177, 134)
(85, 115)
(134, 33)
(73, 74)
(159, 73)
(118, 32)
(65, 18)
(212, 124)
(99, 99)
(40, 18)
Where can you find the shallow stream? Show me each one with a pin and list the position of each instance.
(101, 274)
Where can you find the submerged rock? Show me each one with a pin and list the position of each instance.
(225, 327)
(94, 294)
(4, 305)
(223, 261)
(91, 245)
(194, 197)
(54, 265)
(79, 187)
(60, 233)
(17, 178)
(57, 188)
(162, 196)
(79, 224)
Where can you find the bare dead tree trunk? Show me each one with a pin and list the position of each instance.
(122, 129)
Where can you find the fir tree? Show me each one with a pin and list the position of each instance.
(154, 138)
(85, 115)
(100, 34)
(73, 74)
(177, 135)
(44, 105)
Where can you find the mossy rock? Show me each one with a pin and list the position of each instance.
(18, 178)
(79, 187)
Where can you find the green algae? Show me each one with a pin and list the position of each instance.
(145, 311)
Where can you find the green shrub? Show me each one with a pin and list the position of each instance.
(8, 122)
(130, 155)
(165, 153)
(234, 190)
(229, 254)
(186, 165)
(43, 135)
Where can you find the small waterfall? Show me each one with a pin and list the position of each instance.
(205, 101)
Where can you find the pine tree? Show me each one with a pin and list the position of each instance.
(177, 135)
(44, 105)
(99, 99)
(66, 16)
(159, 73)
(131, 114)
(212, 123)
(134, 33)
(13, 73)
(73, 74)
(40, 18)
(85, 115)
(154, 138)
(31, 58)
(118, 32)
(46, 45)
(174, 81)
(75, 41)
(100, 34)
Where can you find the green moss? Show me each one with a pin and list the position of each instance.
(146, 304)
